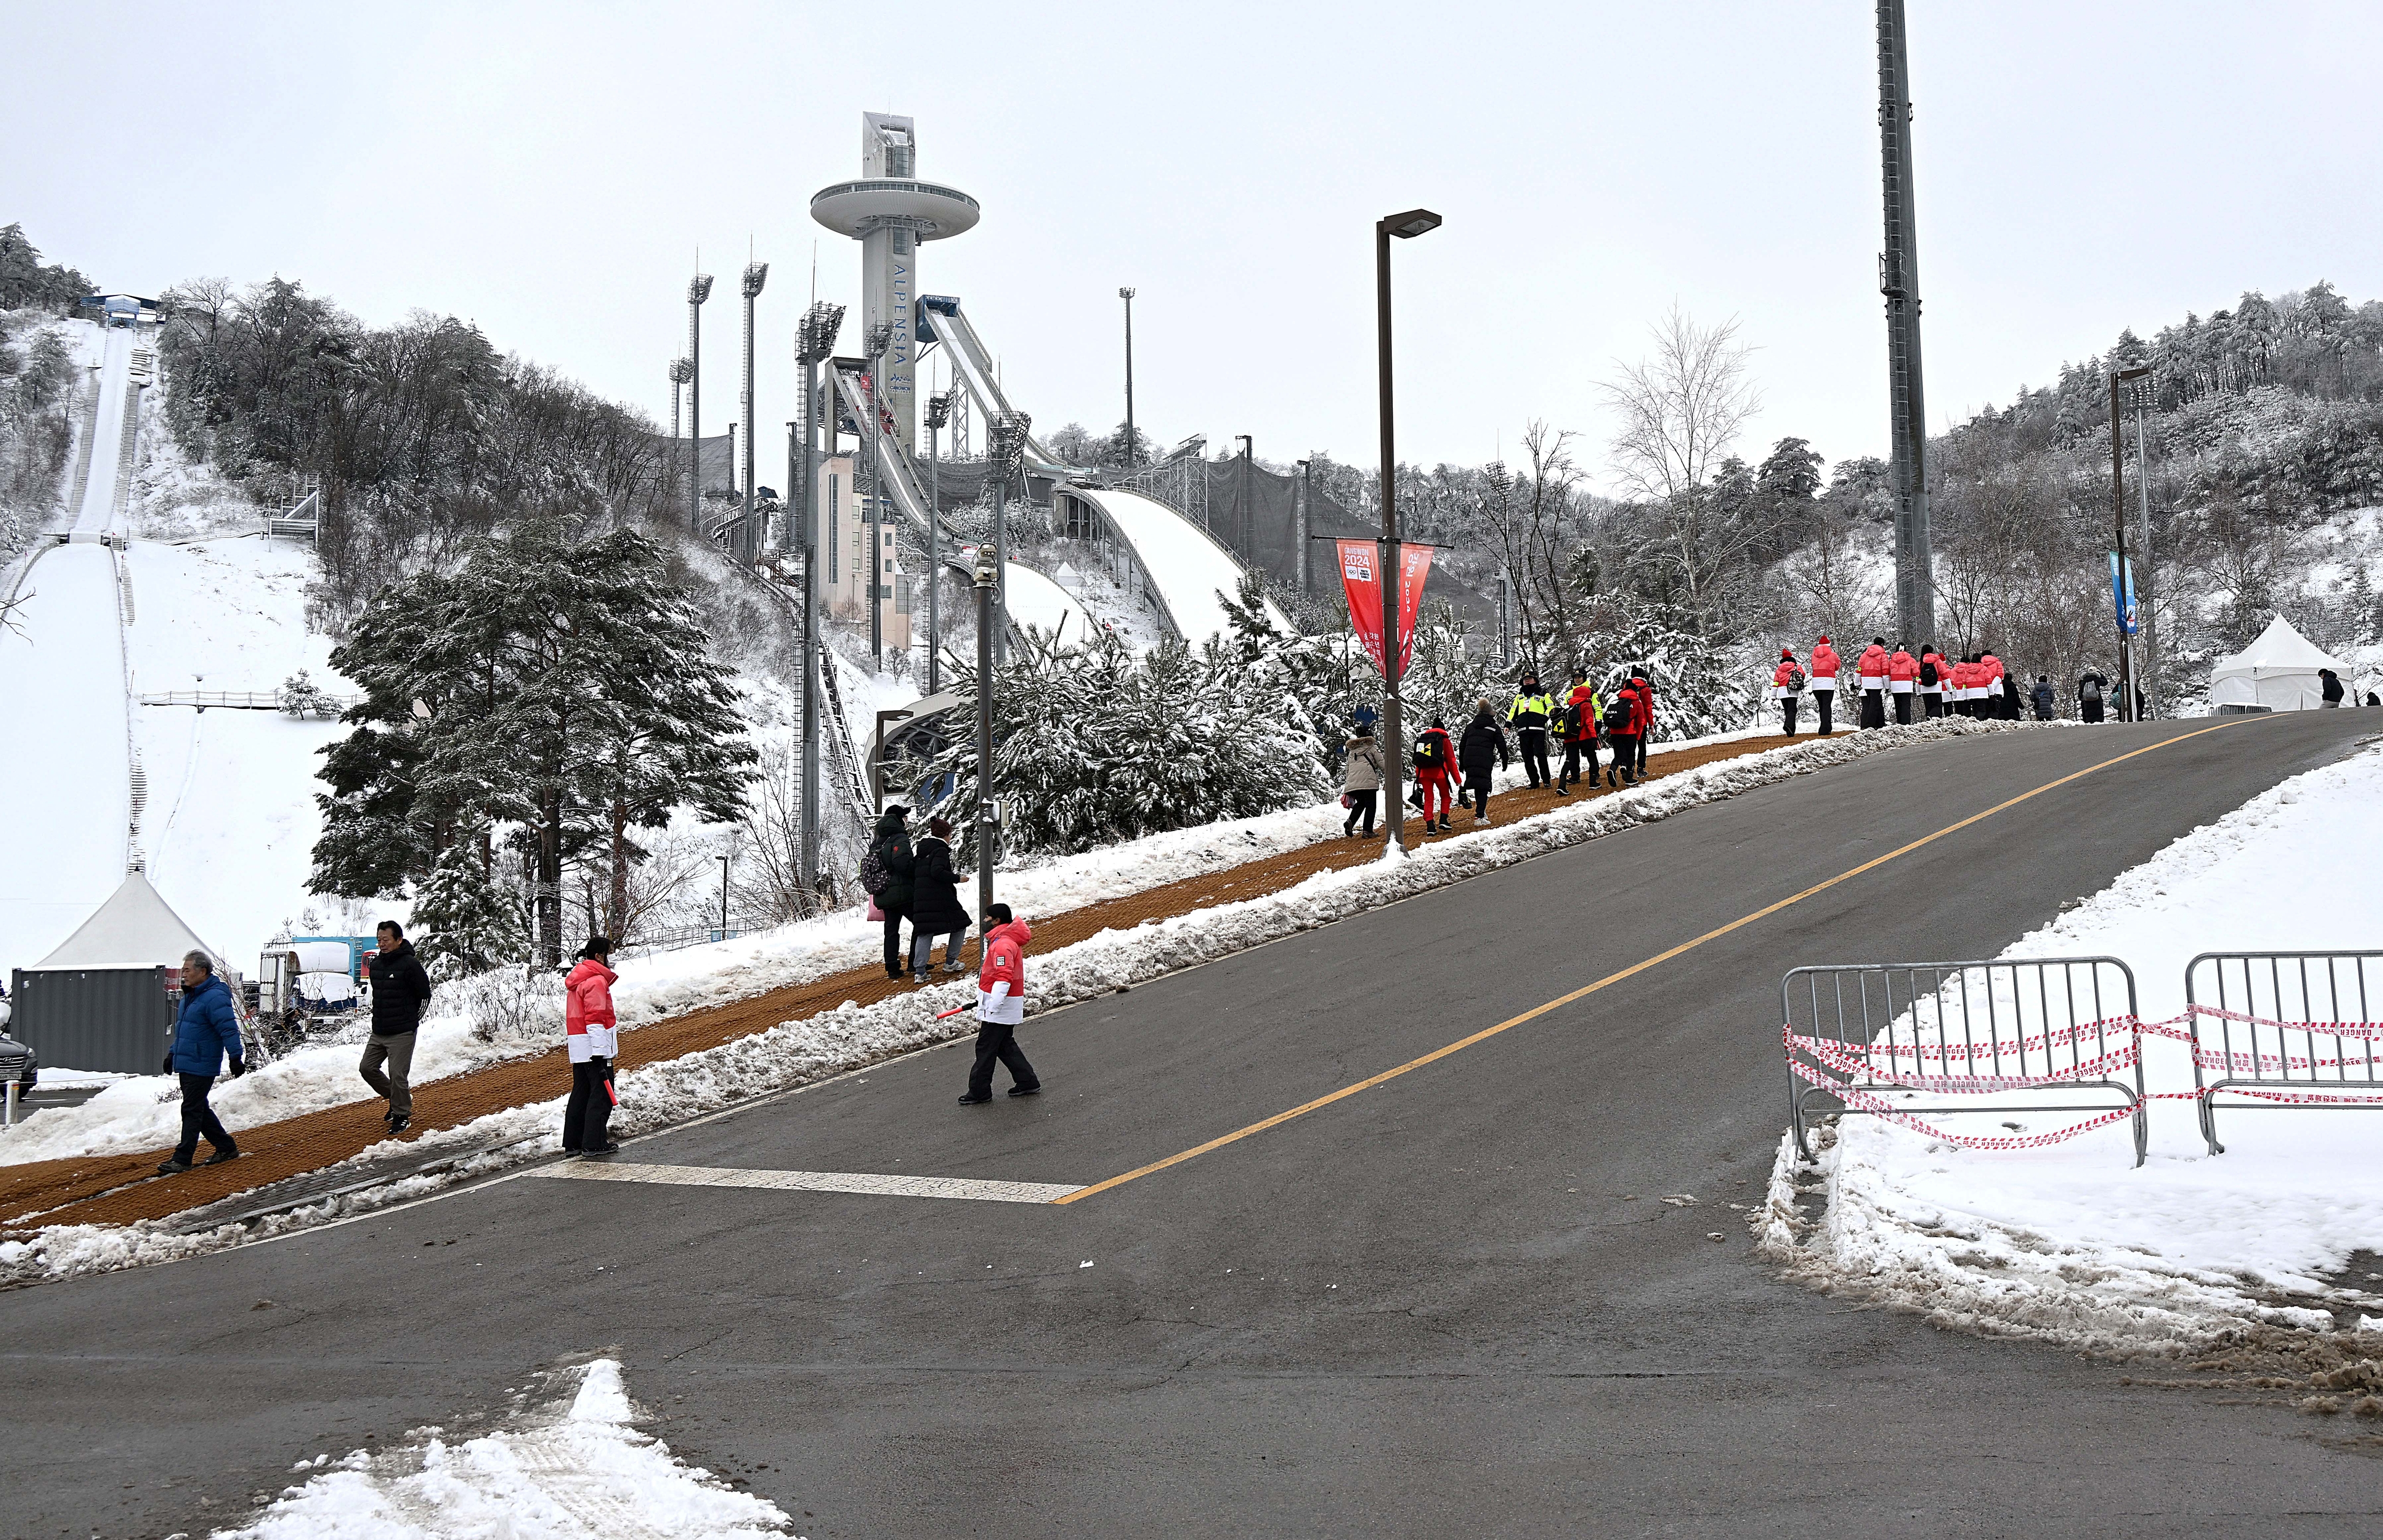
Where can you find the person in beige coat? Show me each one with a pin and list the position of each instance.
(1360, 780)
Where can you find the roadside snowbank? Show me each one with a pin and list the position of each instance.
(2072, 1243)
(576, 1471)
(795, 1053)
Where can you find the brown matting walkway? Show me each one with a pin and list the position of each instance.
(121, 1189)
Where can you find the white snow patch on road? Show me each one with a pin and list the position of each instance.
(580, 1473)
(2072, 1242)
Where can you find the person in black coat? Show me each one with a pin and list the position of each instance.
(1483, 740)
(935, 904)
(2092, 685)
(400, 989)
(2043, 696)
(2331, 690)
(889, 850)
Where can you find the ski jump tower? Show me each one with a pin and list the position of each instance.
(890, 211)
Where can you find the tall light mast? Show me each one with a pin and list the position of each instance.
(1899, 279)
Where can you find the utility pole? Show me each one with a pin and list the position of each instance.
(1132, 444)
(814, 344)
(699, 289)
(1406, 226)
(1306, 491)
(2118, 578)
(881, 338)
(939, 412)
(1899, 279)
(2149, 580)
(748, 544)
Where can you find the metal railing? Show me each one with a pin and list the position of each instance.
(1890, 1033)
(689, 935)
(2284, 1057)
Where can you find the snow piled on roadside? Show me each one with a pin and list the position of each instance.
(852, 1036)
(576, 1472)
(2074, 1244)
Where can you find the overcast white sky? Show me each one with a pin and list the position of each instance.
(548, 172)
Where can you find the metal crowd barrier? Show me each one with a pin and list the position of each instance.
(2275, 1061)
(1941, 1028)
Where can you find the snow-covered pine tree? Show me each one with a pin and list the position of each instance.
(465, 922)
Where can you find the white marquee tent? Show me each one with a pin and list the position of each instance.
(2277, 673)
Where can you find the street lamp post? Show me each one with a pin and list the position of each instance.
(2118, 502)
(2149, 597)
(1246, 499)
(987, 817)
(1006, 445)
(1406, 226)
(699, 289)
(1133, 454)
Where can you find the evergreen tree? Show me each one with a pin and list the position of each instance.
(466, 921)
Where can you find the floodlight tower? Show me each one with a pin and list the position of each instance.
(889, 211)
(699, 289)
(755, 274)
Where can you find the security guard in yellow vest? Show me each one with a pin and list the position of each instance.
(1528, 717)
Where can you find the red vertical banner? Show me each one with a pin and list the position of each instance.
(1361, 580)
(1414, 565)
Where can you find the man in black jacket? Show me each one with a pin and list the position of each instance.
(400, 989)
(1482, 739)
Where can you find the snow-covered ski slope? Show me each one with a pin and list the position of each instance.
(1192, 573)
(1038, 601)
(66, 768)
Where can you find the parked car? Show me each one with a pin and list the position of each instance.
(18, 1063)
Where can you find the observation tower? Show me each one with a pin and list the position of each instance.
(889, 211)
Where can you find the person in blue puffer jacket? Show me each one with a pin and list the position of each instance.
(206, 1031)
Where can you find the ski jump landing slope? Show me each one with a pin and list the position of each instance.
(1192, 573)
(65, 764)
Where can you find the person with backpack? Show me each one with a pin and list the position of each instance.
(1435, 767)
(885, 874)
(591, 1032)
(1528, 715)
(1622, 734)
(1824, 683)
(1902, 679)
(1643, 713)
(935, 908)
(1579, 731)
(2092, 685)
(1871, 670)
(1483, 738)
(2044, 696)
(1787, 688)
(1361, 783)
(1933, 669)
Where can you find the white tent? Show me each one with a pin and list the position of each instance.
(2278, 673)
(134, 928)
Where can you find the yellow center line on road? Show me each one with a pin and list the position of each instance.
(1586, 990)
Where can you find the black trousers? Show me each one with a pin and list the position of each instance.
(2089, 710)
(1533, 741)
(1933, 705)
(1477, 792)
(1642, 753)
(1573, 747)
(1625, 747)
(1827, 702)
(998, 1039)
(1788, 714)
(1873, 709)
(1902, 707)
(1360, 804)
(893, 919)
(590, 1107)
(200, 1119)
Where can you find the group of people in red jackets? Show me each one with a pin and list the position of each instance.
(1977, 685)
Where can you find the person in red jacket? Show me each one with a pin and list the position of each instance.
(1000, 1006)
(1872, 669)
(1825, 683)
(1646, 689)
(593, 1035)
(1965, 686)
(1786, 687)
(1621, 733)
(1934, 675)
(1991, 703)
(1580, 709)
(1902, 678)
(1435, 763)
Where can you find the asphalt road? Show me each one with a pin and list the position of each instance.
(1423, 1308)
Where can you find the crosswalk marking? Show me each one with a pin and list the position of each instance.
(816, 1181)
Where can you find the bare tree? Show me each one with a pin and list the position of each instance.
(1680, 409)
(1529, 520)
